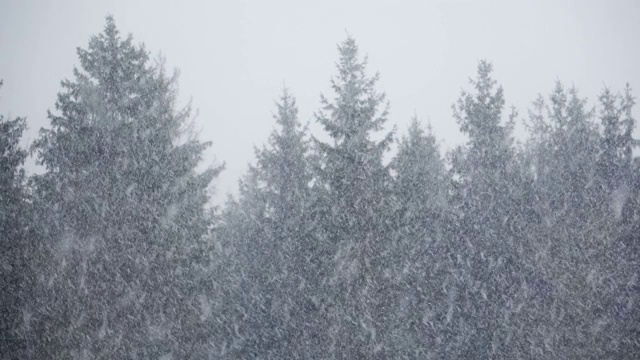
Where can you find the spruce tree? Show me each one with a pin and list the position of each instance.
(123, 211)
(579, 266)
(485, 194)
(284, 170)
(420, 177)
(269, 226)
(354, 185)
(14, 241)
(616, 148)
(420, 190)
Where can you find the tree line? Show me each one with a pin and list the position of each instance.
(496, 249)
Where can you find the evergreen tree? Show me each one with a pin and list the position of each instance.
(284, 169)
(243, 312)
(123, 212)
(486, 194)
(270, 223)
(616, 149)
(420, 174)
(574, 146)
(576, 257)
(625, 313)
(420, 192)
(353, 183)
(14, 242)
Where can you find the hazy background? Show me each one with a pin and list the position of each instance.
(235, 56)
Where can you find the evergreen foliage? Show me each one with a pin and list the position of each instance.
(363, 245)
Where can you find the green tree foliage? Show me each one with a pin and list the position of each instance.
(627, 259)
(122, 209)
(486, 195)
(14, 241)
(577, 255)
(616, 148)
(354, 184)
(269, 227)
(497, 250)
(420, 191)
(420, 177)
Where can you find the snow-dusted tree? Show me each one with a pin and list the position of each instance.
(14, 242)
(354, 185)
(626, 312)
(420, 189)
(631, 208)
(419, 184)
(486, 192)
(269, 225)
(620, 172)
(577, 256)
(567, 155)
(238, 277)
(284, 169)
(123, 211)
(616, 148)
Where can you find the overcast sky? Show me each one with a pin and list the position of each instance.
(235, 56)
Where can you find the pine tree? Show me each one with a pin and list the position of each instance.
(486, 193)
(574, 241)
(421, 194)
(239, 274)
(616, 149)
(285, 171)
(269, 223)
(354, 184)
(420, 174)
(574, 139)
(123, 211)
(14, 240)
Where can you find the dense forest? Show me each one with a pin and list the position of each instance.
(332, 249)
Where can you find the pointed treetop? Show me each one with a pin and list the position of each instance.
(629, 101)
(287, 109)
(478, 113)
(348, 50)
(351, 70)
(416, 133)
(110, 27)
(107, 52)
(355, 111)
(484, 83)
(415, 126)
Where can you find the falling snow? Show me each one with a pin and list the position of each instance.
(357, 241)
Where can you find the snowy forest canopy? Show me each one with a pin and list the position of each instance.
(496, 249)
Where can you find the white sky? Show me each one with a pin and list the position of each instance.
(235, 56)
